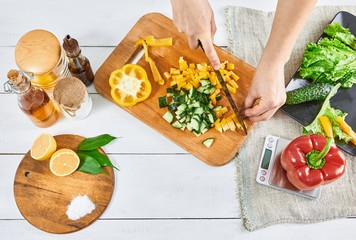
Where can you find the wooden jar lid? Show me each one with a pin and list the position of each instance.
(38, 51)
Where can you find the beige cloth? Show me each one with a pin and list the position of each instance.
(261, 206)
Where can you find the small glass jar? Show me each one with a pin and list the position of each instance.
(73, 98)
(40, 52)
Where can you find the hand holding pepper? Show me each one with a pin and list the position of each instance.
(312, 161)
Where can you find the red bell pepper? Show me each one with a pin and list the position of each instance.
(312, 160)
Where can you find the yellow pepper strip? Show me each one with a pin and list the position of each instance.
(161, 42)
(156, 75)
(326, 124)
(143, 43)
(346, 129)
(129, 85)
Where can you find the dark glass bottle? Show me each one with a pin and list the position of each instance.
(79, 66)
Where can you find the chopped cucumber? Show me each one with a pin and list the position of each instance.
(218, 98)
(207, 142)
(162, 101)
(172, 107)
(205, 82)
(217, 108)
(168, 116)
(177, 125)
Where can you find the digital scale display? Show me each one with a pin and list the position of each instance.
(266, 159)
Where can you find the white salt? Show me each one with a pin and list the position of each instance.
(79, 207)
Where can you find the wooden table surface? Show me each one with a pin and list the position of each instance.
(161, 192)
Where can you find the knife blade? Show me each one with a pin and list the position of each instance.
(231, 101)
(228, 95)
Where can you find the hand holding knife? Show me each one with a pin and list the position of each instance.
(228, 95)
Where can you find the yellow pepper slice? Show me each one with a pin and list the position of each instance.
(326, 124)
(162, 42)
(346, 129)
(143, 43)
(156, 75)
(129, 85)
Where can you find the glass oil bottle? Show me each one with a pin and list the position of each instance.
(32, 100)
(79, 65)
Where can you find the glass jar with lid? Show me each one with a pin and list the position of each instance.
(40, 52)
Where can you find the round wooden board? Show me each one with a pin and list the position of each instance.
(43, 197)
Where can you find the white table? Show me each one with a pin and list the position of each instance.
(161, 192)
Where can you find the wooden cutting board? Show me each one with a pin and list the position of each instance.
(225, 145)
(43, 197)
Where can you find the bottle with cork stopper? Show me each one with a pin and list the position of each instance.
(32, 100)
(79, 65)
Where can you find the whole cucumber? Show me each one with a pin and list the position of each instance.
(316, 91)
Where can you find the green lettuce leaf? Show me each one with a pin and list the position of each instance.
(344, 35)
(327, 110)
(329, 61)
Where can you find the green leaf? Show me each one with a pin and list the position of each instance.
(89, 164)
(100, 158)
(89, 144)
(335, 30)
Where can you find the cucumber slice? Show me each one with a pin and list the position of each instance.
(177, 125)
(205, 82)
(182, 107)
(199, 110)
(168, 116)
(195, 124)
(211, 118)
(207, 142)
(169, 92)
(162, 101)
(217, 108)
(201, 89)
(172, 107)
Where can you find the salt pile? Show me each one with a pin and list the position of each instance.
(79, 207)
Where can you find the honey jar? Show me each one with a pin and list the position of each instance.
(40, 52)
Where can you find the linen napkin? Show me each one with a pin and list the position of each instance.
(261, 206)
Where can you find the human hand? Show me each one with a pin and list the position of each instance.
(267, 92)
(196, 19)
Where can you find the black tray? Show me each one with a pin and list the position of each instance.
(345, 99)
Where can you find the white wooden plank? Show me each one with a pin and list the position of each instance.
(172, 186)
(102, 23)
(105, 117)
(185, 229)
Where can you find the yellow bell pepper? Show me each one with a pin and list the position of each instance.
(162, 42)
(346, 129)
(326, 124)
(129, 85)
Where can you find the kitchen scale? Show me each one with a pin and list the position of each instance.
(271, 173)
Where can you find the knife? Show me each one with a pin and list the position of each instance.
(228, 95)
